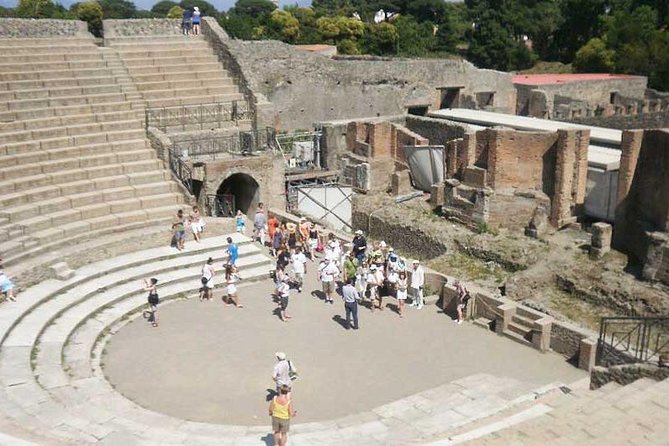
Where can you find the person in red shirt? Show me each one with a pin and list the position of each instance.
(272, 224)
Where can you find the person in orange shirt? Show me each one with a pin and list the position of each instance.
(272, 224)
(304, 230)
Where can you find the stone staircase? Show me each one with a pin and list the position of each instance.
(74, 158)
(50, 376)
(175, 71)
(637, 413)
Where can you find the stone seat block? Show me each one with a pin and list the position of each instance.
(193, 100)
(52, 41)
(69, 120)
(71, 130)
(55, 92)
(157, 69)
(182, 75)
(149, 52)
(184, 60)
(26, 104)
(55, 55)
(187, 92)
(147, 44)
(53, 83)
(71, 141)
(91, 109)
(46, 74)
(186, 83)
(42, 66)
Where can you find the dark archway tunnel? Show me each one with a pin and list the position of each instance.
(243, 189)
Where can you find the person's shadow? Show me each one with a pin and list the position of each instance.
(341, 321)
(271, 393)
(268, 439)
(319, 294)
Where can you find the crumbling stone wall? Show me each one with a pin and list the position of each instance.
(306, 87)
(140, 27)
(437, 131)
(642, 216)
(26, 28)
(626, 374)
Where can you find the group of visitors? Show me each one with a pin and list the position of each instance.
(190, 21)
(194, 223)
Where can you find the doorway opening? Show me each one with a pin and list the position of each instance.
(239, 191)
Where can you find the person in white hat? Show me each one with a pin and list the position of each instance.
(359, 246)
(375, 280)
(417, 283)
(196, 20)
(328, 273)
(280, 374)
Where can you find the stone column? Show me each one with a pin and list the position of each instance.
(587, 354)
(541, 333)
(601, 240)
(504, 314)
(631, 146)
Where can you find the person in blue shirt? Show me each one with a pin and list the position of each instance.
(233, 252)
(186, 21)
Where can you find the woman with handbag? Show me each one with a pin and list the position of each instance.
(153, 300)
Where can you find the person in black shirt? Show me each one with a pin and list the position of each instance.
(359, 246)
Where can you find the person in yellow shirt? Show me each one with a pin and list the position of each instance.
(281, 410)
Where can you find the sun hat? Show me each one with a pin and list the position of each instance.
(358, 232)
(415, 261)
(280, 356)
(196, 8)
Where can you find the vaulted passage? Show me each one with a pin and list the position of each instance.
(239, 191)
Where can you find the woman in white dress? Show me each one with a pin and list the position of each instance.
(231, 278)
(402, 287)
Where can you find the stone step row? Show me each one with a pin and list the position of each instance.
(55, 92)
(192, 91)
(154, 43)
(49, 41)
(26, 247)
(99, 98)
(19, 85)
(53, 55)
(90, 109)
(70, 130)
(79, 174)
(219, 80)
(12, 217)
(142, 63)
(183, 75)
(68, 120)
(36, 66)
(71, 141)
(53, 74)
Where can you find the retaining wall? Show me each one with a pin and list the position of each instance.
(31, 28)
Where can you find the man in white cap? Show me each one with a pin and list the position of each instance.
(417, 283)
(281, 375)
(328, 273)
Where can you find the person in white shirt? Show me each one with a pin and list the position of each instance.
(328, 272)
(280, 374)
(299, 261)
(375, 280)
(207, 280)
(417, 283)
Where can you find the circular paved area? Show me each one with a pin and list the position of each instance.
(213, 363)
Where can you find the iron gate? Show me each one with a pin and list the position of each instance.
(324, 201)
(624, 340)
(222, 205)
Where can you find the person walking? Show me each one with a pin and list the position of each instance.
(299, 261)
(402, 287)
(272, 224)
(281, 371)
(207, 280)
(375, 281)
(312, 241)
(260, 224)
(417, 283)
(350, 267)
(463, 300)
(233, 252)
(328, 272)
(6, 286)
(152, 299)
(284, 293)
(281, 410)
(350, 297)
(276, 240)
(231, 278)
(303, 228)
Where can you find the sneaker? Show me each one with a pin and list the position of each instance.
(459, 322)
(419, 307)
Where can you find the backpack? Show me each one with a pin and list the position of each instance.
(292, 371)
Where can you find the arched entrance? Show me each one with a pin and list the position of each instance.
(238, 191)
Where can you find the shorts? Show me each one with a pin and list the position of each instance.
(312, 243)
(280, 425)
(299, 278)
(231, 290)
(401, 294)
(284, 302)
(180, 235)
(329, 287)
(209, 284)
(196, 227)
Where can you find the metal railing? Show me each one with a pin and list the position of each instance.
(301, 150)
(181, 170)
(210, 147)
(198, 116)
(626, 340)
(222, 205)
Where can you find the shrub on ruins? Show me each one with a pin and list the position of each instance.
(336, 29)
(348, 46)
(118, 9)
(91, 13)
(284, 25)
(379, 39)
(306, 17)
(594, 57)
(175, 12)
(39, 9)
(163, 7)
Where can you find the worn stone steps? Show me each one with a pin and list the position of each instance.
(53, 73)
(148, 52)
(47, 41)
(154, 43)
(71, 130)
(190, 91)
(99, 98)
(165, 69)
(55, 92)
(54, 55)
(73, 66)
(58, 121)
(19, 85)
(24, 247)
(140, 78)
(71, 141)
(40, 156)
(218, 81)
(193, 100)
(79, 174)
(141, 63)
(93, 109)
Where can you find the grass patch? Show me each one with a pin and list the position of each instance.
(575, 309)
(469, 268)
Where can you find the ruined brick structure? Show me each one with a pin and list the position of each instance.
(642, 216)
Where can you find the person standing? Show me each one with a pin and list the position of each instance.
(350, 267)
(463, 300)
(359, 246)
(350, 297)
(402, 287)
(186, 21)
(231, 278)
(196, 20)
(375, 281)
(272, 224)
(299, 267)
(313, 241)
(260, 224)
(417, 283)
(281, 410)
(281, 371)
(207, 279)
(179, 231)
(240, 221)
(233, 252)
(6, 286)
(303, 231)
(152, 299)
(328, 272)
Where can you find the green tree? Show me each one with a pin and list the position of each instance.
(206, 8)
(594, 57)
(163, 7)
(580, 23)
(36, 9)
(336, 29)
(285, 25)
(306, 17)
(175, 12)
(435, 11)
(118, 9)
(253, 8)
(379, 39)
(414, 39)
(91, 13)
(348, 46)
